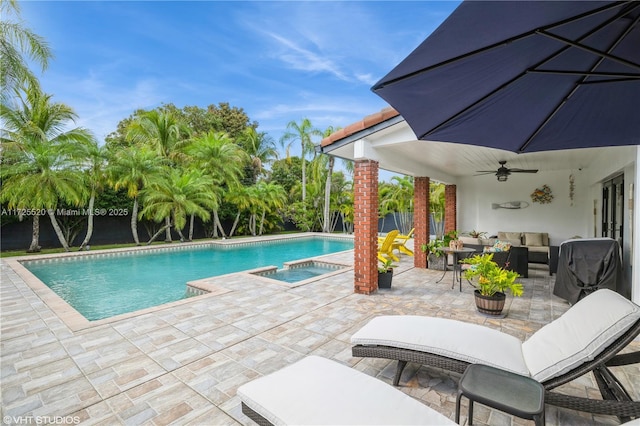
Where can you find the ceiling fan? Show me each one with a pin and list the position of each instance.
(503, 172)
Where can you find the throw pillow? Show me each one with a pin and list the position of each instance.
(499, 246)
(533, 239)
(513, 236)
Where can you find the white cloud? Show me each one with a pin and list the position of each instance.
(303, 59)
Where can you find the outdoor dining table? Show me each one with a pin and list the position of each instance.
(457, 268)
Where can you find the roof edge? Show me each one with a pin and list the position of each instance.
(368, 122)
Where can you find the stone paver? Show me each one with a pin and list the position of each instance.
(182, 363)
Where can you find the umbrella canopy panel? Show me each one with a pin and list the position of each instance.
(525, 77)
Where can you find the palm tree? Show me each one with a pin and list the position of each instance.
(257, 203)
(241, 197)
(222, 160)
(165, 134)
(15, 40)
(41, 165)
(96, 159)
(161, 131)
(400, 200)
(327, 188)
(133, 169)
(302, 133)
(261, 150)
(179, 194)
(436, 205)
(274, 198)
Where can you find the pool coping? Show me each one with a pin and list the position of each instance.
(262, 273)
(76, 321)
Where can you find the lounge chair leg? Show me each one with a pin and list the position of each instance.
(401, 365)
(611, 388)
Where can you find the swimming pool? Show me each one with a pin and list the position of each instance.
(102, 286)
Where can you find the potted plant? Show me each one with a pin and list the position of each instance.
(491, 282)
(435, 255)
(385, 273)
(476, 234)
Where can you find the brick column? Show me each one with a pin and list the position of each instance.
(365, 189)
(420, 220)
(450, 209)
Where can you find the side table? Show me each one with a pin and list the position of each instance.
(503, 390)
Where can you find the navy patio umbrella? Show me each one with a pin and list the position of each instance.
(525, 76)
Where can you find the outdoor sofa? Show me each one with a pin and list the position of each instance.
(537, 244)
(586, 338)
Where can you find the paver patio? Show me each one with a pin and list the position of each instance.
(182, 363)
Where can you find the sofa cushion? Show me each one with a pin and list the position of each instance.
(533, 239)
(487, 241)
(472, 343)
(471, 240)
(319, 391)
(510, 236)
(538, 249)
(585, 330)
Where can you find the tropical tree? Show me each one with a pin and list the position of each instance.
(166, 135)
(96, 157)
(274, 198)
(232, 120)
(288, 174)
(436, 206)
(261, 150)
(177, 195)
(302, 133)
(41, 162)
(241, 197)
(16, 40)
(133, 169)
(257, 203)
(161, 131)
(222, 160)
(327, 188)
(347, 211)
(399, 199)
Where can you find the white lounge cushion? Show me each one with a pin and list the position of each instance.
(580, 334)
(317, 391)
(471, 343)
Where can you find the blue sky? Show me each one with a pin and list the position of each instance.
(279, 61)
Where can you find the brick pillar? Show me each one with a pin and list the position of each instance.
(420, 220)
(450, 209)
(365, 189)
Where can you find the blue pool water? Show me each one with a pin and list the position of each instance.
(101, 287)
(294, 275)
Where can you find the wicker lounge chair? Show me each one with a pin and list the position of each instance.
(586, 338)
(318, 391)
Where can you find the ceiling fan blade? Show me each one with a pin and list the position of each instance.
(523, 170)
(485, 172)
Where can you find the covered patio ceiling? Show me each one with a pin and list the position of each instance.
(387, 138)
